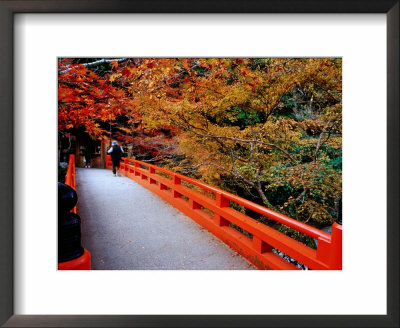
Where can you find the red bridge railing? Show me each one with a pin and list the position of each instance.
(84, 261)
(70, 176)
(210, 207)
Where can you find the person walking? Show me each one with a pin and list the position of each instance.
(88, 156)
(116, 154)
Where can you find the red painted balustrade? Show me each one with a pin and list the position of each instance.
(211, 208)
(83, 262)
(70, 176)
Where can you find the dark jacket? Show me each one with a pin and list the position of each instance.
(116, 153)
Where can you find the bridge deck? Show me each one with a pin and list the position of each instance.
(126, 227)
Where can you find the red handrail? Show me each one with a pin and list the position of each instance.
(83, 262)
(258, 247)
(70, 176)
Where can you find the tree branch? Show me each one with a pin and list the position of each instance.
(211, 136)
(95, 63)
(260, 191)
(320, 142)
(235, 174)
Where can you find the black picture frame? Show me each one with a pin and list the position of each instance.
(11, 7)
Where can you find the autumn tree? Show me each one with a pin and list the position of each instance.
(87, 100)
(272, 125)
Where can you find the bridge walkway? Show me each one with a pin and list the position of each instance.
(127, 227)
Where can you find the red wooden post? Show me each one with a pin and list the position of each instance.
(152, 170)
(176, 181)
(221, 201)
(329, 250)
(137, 166)
(336, 251)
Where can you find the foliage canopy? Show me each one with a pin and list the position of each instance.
(269, 128)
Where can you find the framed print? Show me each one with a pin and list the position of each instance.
(36, 37)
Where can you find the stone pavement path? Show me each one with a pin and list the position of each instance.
(127, 227)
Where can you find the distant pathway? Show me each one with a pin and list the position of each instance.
(126, 227)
